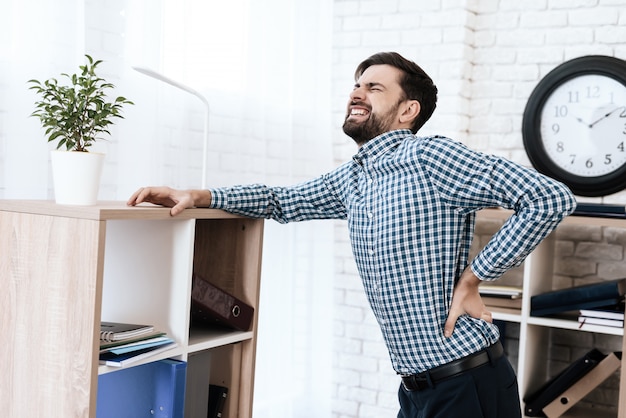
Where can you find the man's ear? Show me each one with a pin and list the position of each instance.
(411, 110)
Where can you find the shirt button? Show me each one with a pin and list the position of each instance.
(370, 215)
(371, 252)
(370, 181)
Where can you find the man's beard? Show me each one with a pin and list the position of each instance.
(362, 132)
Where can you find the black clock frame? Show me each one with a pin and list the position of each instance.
(588, 65)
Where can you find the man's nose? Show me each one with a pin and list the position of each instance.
(356, 94)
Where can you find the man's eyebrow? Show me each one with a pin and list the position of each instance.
(370, 84)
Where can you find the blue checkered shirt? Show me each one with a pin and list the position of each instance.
(410, 203)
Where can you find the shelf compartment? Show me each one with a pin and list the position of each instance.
(147, 272)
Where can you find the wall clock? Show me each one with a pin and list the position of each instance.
(574, 125)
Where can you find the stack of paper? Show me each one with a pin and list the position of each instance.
(501, 296)
(122, 344)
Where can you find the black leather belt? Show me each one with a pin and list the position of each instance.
(430, 377)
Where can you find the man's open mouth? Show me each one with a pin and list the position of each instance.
(359, 112)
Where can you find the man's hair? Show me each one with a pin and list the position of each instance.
(415, 83)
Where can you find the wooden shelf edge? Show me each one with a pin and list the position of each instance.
(503, 214)
(505, 314)
(205, 339)
(109, 210)
(174, 352)
(574, 325)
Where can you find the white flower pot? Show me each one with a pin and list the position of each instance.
(76, 176)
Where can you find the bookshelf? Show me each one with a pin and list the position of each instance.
(64, 268)
(538, 273)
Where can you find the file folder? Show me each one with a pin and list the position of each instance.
(535, 402)
(583, 386)
(155, 390)
(212, 305)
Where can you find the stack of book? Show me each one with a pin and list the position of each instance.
(610, 316)
(600, 209)
(122, 344)
(501, 296)
(574, 299)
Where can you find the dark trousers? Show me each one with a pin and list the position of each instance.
(488, 391)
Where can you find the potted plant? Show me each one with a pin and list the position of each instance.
(76, 115)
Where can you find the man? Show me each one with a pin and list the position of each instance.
(410, 203)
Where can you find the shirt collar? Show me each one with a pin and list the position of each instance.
(380, 145)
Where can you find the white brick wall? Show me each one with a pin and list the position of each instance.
(485, 57)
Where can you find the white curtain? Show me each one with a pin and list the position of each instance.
(264, 67)
(30, 47)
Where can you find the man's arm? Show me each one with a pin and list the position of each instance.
(471, 181)
(178, 200)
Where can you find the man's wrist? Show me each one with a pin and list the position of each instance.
(468, 278)
(201, 198)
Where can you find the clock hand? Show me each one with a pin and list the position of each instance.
(606, 116)
(581, 121)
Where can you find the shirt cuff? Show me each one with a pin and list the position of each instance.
(483, 270)
(219, 198)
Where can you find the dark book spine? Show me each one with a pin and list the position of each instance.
(600, 208)
(217, 401)
(599, 291)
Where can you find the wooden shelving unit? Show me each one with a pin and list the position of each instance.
(534, 331)
(65, 268)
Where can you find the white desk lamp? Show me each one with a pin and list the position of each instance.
(161, 77)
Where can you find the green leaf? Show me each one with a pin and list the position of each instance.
(75, 114)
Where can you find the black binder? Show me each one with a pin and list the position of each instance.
(217, 400)
(212, 305)
(536, 401)
(587, 296)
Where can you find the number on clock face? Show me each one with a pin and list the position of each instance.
(583, 125)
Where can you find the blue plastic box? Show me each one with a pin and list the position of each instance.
(152, 390)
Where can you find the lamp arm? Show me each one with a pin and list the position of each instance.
(151, 73)
(205, 146)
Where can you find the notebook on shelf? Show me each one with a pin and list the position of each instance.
(116, 331)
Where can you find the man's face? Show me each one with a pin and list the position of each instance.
(374, 104)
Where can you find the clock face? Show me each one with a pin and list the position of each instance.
(583, 125)
(574, 125)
